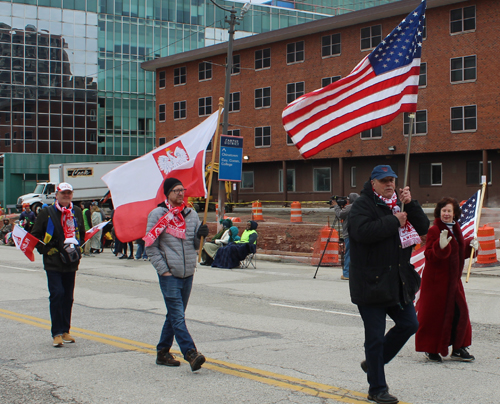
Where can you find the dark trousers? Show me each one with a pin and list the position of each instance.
(61, 288)
(380, 348)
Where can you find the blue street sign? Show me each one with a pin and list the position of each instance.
(231, 158)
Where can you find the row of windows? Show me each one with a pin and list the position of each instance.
(462, 69)
(430, 174)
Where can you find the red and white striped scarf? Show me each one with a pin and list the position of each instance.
(407, 234)
(172, 222)
(68, 223)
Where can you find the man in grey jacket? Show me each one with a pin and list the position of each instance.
(343, 214)
(172, 239)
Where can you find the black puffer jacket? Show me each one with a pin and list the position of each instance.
(380, 273)
(51, 257)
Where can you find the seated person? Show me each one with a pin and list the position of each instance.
(230, 256)
(6, 228)
(210, 249)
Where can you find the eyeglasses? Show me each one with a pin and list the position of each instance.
(179, 191)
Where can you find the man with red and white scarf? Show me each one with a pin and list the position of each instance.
(382, 280)
(172, 240)
(60, 276)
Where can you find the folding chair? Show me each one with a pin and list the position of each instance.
(250, 259)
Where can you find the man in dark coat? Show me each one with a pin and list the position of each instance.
(69, 231)
(382, 280)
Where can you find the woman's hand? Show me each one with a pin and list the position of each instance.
(444, 240)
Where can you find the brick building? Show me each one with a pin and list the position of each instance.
(456, 131)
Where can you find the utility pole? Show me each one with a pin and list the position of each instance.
(233, 20)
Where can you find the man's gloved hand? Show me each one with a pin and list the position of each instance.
(474, 244)
(444, 240)
(202, 231)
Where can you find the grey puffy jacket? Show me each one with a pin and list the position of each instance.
(171, 254)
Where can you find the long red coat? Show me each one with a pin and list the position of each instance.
(441, 292)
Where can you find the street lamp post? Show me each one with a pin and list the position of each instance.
(233, 20)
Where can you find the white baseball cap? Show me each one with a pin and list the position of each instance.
(64, 186)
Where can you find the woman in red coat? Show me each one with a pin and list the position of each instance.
(442, 310)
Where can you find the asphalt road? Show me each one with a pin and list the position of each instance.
(271, 335)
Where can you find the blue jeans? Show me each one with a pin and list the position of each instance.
(176, 293)
(347, 257)
(380, 349)
(141, 252)
(61, 287)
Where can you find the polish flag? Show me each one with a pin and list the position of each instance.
(137, 186)
(24, 241)
(93, 231)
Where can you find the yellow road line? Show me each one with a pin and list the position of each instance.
(274, 379)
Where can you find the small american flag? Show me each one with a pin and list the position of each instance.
(382, 85)
(468, 218)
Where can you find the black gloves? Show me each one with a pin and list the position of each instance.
(202, 231)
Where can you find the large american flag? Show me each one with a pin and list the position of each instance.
(468, 218)
(381, 86)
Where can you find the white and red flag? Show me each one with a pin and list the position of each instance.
(137, 186)
(93, 231)
(382, 85)
(418, 261)
(24, 241)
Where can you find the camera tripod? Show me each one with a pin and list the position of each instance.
(341, 244)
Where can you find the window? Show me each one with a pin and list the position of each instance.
(294, 91)
(290, 180)
(430, 174)
(205, 71)
(463, 19)
(204, 106)
(353, 177)
(289, 140)
(321, 179)
(162, 140)
(234, 102)
(422, 78)
(295, 52)
(474, 171)
(162, 112)
(179, 76)
(263, 97)
(246, 180)
(180, 110)
(419, 123)
(371, 37)
(236, 65)
(262, 136)
(374, 133)
(7, 139)
(463, 118)
(463, 69)
(330, 45)
(162, 80)
(233, 132)
(263, 59)
(329, 80)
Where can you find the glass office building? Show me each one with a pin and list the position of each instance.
(70, 75)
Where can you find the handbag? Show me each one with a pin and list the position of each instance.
(68, 252)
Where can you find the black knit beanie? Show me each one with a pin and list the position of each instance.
(169, 184)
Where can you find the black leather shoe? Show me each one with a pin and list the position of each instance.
(383, 398)
(364, 366)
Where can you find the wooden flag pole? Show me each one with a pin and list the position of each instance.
(407, 157)
(483, 188)
(210, 175)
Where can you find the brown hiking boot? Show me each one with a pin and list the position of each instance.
(195, 359)
(68, 338)
(164, 357)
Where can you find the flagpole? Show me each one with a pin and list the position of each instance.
(407, 157)
(483, 188)
(211, 173)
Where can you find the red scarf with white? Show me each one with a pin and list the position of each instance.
(407, 233)
(67, 223)
(172, 222)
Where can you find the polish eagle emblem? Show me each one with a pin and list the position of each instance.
(172, 157)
